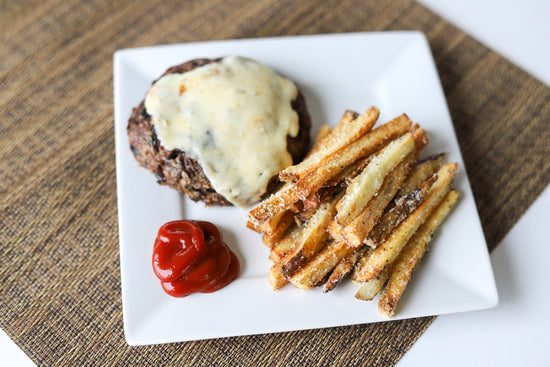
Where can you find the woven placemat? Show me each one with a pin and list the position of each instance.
(59, 261)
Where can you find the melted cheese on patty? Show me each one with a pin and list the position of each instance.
(233, 117)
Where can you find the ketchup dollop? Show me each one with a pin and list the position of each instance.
(190, 257)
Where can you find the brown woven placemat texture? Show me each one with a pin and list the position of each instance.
(59, 259)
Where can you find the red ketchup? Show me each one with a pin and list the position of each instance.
(191, 257)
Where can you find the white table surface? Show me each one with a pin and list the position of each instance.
(516, 331)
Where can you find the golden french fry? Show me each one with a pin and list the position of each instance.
(314, 271)
(360, 205)
(349, 129)
(276, 278)
(277, 227)
(337, 183)
(252, 225)
(302, 217)
(365, 146)
(357, 230)
(420, 172)
(420, 139)
(344, 267)
(370, 289)
(348, 118)
(387, 252)
(282, 248)
(411, 255)
(335, 230)
(314, 200)
(366, 184)
(344, 178)
(403, 207)
(276, 203)
(312, 238)
(363, 259)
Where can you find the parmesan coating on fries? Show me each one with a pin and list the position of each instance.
(361, 203)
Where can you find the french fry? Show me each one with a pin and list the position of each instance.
(335, 230)
(411, 255)
(350, 128)
(276, 278)
(420, 172)
(315, 199)
(388, 251)
(252, 225)
(403, 207)
(365, 146)
(344, 178)
(370, 289)
(344, 267)
(302, 217)
(311, 239)
(277, 227)
(282, 248)
(348, 119)
(359, 203)
(365, 185)
(420, 139)
(276, 203)
(314, 271)
(357, 230)
(278, 252)
(363, 259)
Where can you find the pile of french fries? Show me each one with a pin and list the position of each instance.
(361, 204)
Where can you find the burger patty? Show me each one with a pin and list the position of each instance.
(177, 170)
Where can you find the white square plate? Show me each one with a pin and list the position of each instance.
(391, 70)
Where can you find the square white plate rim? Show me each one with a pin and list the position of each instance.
(392, 70)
